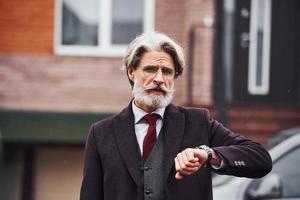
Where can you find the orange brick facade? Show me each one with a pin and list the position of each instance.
(26, 26)
(33, 78)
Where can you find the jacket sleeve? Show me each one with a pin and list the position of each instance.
(92, 183)
(242, 157)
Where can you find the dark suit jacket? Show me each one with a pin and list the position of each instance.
(112, 166)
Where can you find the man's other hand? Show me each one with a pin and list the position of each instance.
(189, 161)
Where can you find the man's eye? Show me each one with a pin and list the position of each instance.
(167, 71)
(150, 69)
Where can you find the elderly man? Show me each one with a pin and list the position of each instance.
(155, 150)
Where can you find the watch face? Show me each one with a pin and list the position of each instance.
(208, 151)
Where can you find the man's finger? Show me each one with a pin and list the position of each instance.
(201, 155)
(190, 155)
(178, 176)
(180, 161)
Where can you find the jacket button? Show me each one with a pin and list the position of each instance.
(146, 168)
(148, 192)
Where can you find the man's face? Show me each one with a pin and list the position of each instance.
(153, 79)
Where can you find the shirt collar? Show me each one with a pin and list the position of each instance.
(139, 113)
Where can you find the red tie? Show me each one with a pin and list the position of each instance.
(150, 138)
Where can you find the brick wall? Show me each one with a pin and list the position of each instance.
(197, 12)
(26, 26)
(170, 19)
(62, 83)
(176, 18)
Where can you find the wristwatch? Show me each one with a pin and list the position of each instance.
(209, 152)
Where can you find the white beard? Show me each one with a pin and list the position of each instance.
(155, 101)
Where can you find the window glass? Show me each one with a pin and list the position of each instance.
(127, 20)
(100, 27)
(80, 22)
(259, 51)
(288, 170)
(259, 43)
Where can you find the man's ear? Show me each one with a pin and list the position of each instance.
(130, 73)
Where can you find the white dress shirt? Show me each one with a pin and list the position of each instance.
(141, 125)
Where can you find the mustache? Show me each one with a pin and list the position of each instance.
(158, 87)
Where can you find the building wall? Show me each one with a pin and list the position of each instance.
(26, 26)
(33, 78)
(11, 170)
(58, 173)
(201, 18)
(179, 18)
(52, 83)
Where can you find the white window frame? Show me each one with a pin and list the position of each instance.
(253, 88)
(105, 48)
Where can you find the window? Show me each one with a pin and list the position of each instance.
(259, 52)
(100, 27)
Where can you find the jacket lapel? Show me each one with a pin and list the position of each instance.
(174, 122)
(127, 143)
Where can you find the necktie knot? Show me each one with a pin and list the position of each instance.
(151, 118)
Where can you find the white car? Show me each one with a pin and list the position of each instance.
(283, 182)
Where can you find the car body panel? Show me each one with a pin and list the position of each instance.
(234, 188)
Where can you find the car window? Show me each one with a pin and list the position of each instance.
(289, 172)
(277, 139)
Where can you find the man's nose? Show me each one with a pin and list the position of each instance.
(159, 78)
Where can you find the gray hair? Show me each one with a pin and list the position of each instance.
(154, 41)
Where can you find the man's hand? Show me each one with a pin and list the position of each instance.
(189, 161)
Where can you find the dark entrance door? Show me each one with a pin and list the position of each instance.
(277, 82)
